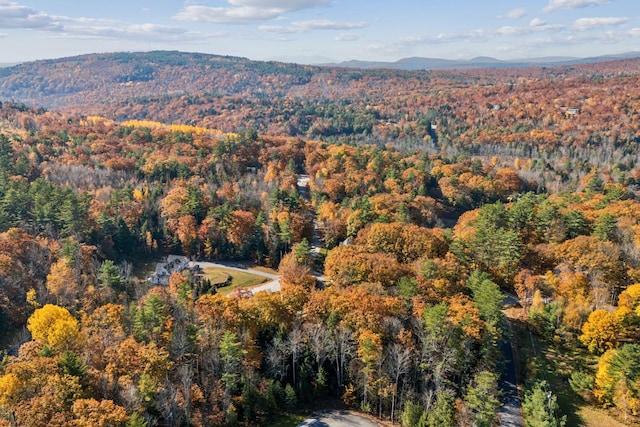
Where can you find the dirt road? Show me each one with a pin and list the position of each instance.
(337, 419)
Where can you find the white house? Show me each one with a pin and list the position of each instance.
(172, 264)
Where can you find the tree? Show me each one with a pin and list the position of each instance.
(525, 284)
(54, 327)
(605, 227)
(62, 283)
(150, 318)
(290, 397)
(241, 227)
(294, 273)
(540, 407)
(496, 249)
(398, 362)
(302, 253)
(628, 310)
(482, 398)
(109, 276)
(411, 414)
(370, 352)
(93, 413)
(595, 184)
(231, 354)
(441, 412)
(136, 420)
(600, 332)
(618, 378)
(487, 297)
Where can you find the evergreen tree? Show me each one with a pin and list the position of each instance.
(482, 398)
(540, 407)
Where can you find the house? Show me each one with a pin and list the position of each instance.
(572, 111)
(163, 270)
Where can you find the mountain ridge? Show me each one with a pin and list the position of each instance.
(425, 63)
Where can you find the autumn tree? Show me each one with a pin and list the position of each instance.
(54, 327)
(601, 331)
(63, 284)
(93, 413)
(617, 377)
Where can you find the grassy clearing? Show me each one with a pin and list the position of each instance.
(239, 279)
(264, 269)
(546, 362)
(593, 417)
(286, 420)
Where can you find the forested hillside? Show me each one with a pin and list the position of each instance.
(457, 188)
(586, 111)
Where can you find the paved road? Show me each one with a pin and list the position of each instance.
(337, 419)
(510, 412)
(510, 415)
(272, 285)
(510, 300)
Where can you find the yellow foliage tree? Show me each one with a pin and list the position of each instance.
(54, 327)
(62, 283)
(600, 332)
(10, 386)
(93, 413)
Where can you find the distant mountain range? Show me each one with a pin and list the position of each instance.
(420, 63)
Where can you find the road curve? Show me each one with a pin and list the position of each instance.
(337, 419)
(273, 285)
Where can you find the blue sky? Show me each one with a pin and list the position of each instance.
(309, 29)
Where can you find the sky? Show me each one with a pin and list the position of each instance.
(320, 30)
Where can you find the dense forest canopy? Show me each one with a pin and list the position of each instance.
(430, 195)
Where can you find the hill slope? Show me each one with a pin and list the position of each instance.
(518, 108)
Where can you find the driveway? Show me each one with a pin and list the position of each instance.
(272, 285)
(337, 419)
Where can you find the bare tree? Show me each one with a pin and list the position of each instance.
(294, 344)
(398, 363)
(185, 375)
(276, 357)
(320, 342)
(343, 348)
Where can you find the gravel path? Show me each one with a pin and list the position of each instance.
(337, 419)
(271, 286)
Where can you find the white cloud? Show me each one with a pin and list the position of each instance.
(516, 13)
(17, 16)
(585, 24)
(146, 32)
(535, 26)
(512, 31)
(537, 22)
(226, 15)
(635, 32)
(348, 37)
(316, 24)
(284, 5)
(571, 4)
(13, 15)
(245, 11)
